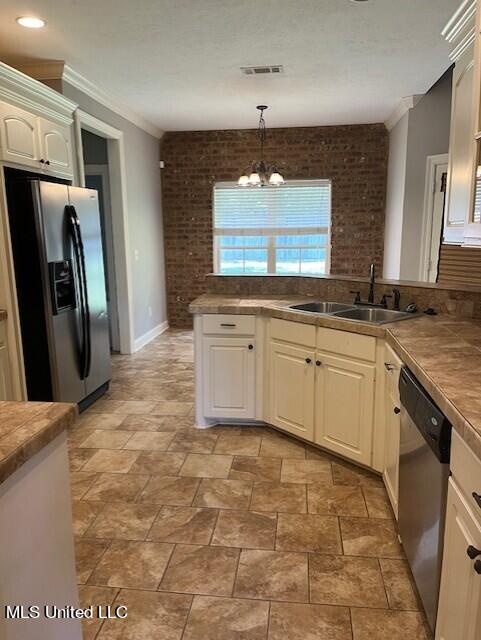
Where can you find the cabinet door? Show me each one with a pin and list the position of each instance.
(19, 136)
(291, 389)
(56, 149)
(459, 611)
(229, 377)
(461, 148)
(391, 460)
(5, 383)
(345, 406)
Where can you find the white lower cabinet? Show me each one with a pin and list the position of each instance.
(344, 406)
(229, 376)
(291, 388)
(392, 426)
(459, 611)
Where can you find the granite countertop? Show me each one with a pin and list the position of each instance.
(443, 352)
(26, 428)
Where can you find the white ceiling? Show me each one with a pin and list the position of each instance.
(176, 62)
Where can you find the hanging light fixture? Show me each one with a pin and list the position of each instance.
(261, 173)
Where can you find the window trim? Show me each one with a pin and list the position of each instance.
(271, 262)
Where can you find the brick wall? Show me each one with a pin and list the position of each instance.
(354, 157)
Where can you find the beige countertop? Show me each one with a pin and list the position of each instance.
(443, 352)
(26, 428)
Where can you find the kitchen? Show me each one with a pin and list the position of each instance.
(265, 475)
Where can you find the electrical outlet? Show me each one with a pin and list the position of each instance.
(136, 255)
(150, 312)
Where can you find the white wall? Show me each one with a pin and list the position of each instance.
(145, 214)
(423, 131)
(396, 179)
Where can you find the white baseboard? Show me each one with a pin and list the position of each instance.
(150, 335)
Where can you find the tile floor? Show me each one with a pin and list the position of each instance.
(233, 533)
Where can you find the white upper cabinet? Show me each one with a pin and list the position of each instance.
(461, 148)
(461, 225)
(19, 136)
(55, 142)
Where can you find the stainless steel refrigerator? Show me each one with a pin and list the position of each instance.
(59, 270)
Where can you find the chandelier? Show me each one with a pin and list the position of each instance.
(261, 173)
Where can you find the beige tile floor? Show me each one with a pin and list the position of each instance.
(234, 533)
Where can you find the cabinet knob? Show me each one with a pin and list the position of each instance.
(477, 497)
(388, 366)
(397, 410)
(318, 363)
(477, 567)
(308, 360)
(42, 160)
(473, 552)
(47, 161)
(251, 346)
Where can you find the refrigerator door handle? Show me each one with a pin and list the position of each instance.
(75, 232)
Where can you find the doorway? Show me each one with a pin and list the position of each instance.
(101, 166)
(433, 216)
(96, 169)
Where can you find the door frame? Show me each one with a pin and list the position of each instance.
(432, 163)
(120, 226)
(102, 170)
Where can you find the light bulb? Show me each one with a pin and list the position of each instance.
(243, 181)
(254, 178)
(30, 22)
(276, 178)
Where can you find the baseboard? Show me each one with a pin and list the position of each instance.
(150, 335)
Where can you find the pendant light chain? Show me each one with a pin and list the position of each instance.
(262, 173)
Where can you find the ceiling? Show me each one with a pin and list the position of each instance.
(176, 62)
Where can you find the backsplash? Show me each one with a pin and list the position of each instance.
(465, 302)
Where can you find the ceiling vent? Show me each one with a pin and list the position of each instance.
(258, 71)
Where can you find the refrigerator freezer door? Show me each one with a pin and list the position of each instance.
(85, 202)
(63, 327)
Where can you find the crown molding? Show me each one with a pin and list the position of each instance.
(96, 93)
(21, 89)
(43, 70)
(405, 104)
(460, 31)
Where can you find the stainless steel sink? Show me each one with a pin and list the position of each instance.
(322, 307)
(375, 316)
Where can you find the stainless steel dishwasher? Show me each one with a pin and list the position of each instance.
(423, 484)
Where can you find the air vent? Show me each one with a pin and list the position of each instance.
(257, 71)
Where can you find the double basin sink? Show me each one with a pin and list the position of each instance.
(373, 315)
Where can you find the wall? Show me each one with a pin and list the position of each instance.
(353, 157)
(428, 134)
(462, 300)
(396, 181)
(423, 131)
(144, 212)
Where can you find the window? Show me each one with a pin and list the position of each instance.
(284, 229)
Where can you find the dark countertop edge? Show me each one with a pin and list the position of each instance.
(67, 413)
(465, 429)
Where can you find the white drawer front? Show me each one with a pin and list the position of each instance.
(228, 324)
(345, 343)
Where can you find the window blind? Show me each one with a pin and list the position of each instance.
(295, 207)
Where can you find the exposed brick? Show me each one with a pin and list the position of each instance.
(354, 157)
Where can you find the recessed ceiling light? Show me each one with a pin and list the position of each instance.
(31, 22)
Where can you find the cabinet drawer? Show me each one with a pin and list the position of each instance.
(345, 343)
(222, 324)
(296, 332)
(466, 470)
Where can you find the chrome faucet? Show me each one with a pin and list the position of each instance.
(372, 282)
